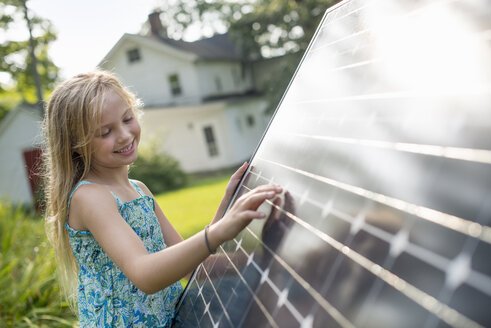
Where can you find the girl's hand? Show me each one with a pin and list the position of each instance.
(231, 186)
(241, 214)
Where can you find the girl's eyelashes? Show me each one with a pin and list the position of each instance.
(105, 133)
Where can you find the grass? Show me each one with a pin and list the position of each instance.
(29, 291)
(190, 209)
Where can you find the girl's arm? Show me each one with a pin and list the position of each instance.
(95, 208)
(171, 235)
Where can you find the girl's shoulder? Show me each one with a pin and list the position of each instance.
(143, 187)
(90, 202)
(89, 191)
(89, 195)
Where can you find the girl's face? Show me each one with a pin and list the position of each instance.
(116, 141)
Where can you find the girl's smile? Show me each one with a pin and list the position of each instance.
(128, 150)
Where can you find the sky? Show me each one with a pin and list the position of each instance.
(88, 29)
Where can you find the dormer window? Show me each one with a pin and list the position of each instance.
(133, 55)
(175, 85)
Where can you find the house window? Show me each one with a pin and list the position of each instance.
(175, 85)
(250, 120)
(218, 84)
(235, 77)
(238, 122)
(133, 55)
(210, 141)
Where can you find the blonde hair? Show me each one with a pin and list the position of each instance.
(72, 116)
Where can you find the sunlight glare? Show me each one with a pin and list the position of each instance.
(433, 51)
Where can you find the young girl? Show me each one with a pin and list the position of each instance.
(109, 230)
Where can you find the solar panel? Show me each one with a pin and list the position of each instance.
(383, 143)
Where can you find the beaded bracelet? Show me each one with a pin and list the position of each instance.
(206, 240)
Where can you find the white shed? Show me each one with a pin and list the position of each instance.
(20, 142)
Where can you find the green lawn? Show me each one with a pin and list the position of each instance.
(191, 208)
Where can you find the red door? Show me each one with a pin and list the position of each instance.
(32, 159)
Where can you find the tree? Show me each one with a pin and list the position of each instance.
(259, 28)
(27, 71)
(270, 27)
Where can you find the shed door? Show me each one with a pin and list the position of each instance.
(32, 159)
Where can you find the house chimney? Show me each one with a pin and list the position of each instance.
(155, 24)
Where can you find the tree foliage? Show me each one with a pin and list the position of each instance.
(270, 27)
(259, 28)
(16, 64)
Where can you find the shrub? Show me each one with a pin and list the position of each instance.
(159, 171)
(29, 290)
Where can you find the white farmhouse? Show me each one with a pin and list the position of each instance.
(200, 99)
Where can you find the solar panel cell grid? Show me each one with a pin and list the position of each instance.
(383, 143)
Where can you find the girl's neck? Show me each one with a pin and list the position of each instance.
(117, 183)
(109, 177)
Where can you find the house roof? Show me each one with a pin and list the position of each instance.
(217, 47)
(24, 108)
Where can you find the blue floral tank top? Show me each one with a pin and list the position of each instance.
(106, 298)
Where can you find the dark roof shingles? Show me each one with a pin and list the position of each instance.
(216, 47)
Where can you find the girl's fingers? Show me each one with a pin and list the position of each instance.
(240, 172)
(255, 199)
(250, 215)
(235, 178)
(263, 188)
